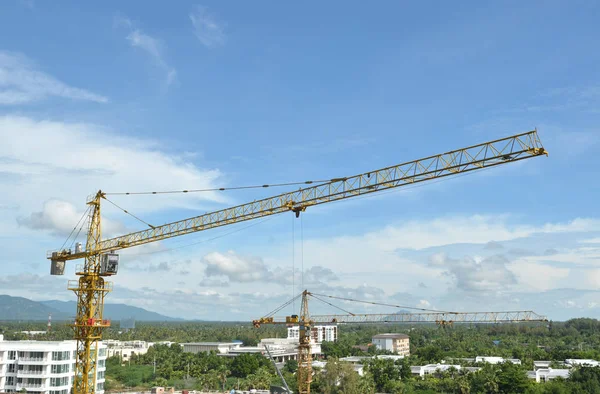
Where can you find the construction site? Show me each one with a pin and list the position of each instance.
(326, 198)
(101, 259)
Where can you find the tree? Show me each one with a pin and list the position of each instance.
(260, 380)
(243, 365)
(291, 366)
(512, 378)
(340, 377)
(223, 373)
(383, 371)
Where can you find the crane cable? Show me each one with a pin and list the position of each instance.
(294, 263)
(83, 224)
(330, 304)
(381, 304)
(283, 306)
(75, 228)
(215, 189)
(130, 214)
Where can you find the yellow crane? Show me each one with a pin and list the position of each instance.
(305, 323)
(101, 260)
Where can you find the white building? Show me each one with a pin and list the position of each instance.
(126, 349)
(574, 362)
(395, 343)
(496, 360)
(43, 367)
(205, 347)
(319, 334)
(433, 368)
(547, 374)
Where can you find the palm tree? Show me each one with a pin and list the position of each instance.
(223, 373)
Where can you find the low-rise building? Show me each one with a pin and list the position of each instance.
(126, 349)
(395, 343)
(43, 367)
(541, 365)
(205, 347)
(547, 374)
(496, 360)
(438, 368)
(574, 362)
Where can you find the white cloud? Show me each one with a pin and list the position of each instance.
(154, 47)
(48, 160)
(206, 28)
(534, 276)
(21, 82)
(591, 241)
(476, 229)
(236, 268)
(60, 218)
(477, 274)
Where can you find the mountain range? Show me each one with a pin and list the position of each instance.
(19, 308)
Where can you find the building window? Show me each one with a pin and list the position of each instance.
(12, 368)
(60, 368)
(101, 363)
(10, 380)
(59, 356)
(100, 375)
(100, 386)
(12, 355)
(55, 382)
(102, 352)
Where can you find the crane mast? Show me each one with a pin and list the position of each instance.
(101, 260)
(305, 323)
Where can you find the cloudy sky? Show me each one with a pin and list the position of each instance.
(134, 96)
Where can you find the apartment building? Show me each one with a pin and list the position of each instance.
(395, 343)
(43, 367)
(319, 334)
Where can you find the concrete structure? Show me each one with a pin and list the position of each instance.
(496, 360)
(574, 362)
(541, 365)
(319, 334)
(282, 349)
(126, 349)
(546, 374)
(358, 368)
(205, 347)
(43, 367)
(433, 368)
(395, 343)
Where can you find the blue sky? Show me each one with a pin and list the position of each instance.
(137, 96)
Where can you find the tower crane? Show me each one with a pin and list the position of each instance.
(305, 322)
(101, 260)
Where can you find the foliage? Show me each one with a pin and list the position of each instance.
(577, 338)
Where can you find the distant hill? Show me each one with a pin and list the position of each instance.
(112, 311)
(19, 308)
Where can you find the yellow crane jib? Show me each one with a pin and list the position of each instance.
(101, 259)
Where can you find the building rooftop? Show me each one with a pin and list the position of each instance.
(391, 336)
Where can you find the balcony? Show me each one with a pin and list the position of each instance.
(30, 372)
(30, 386)
(32, 360)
